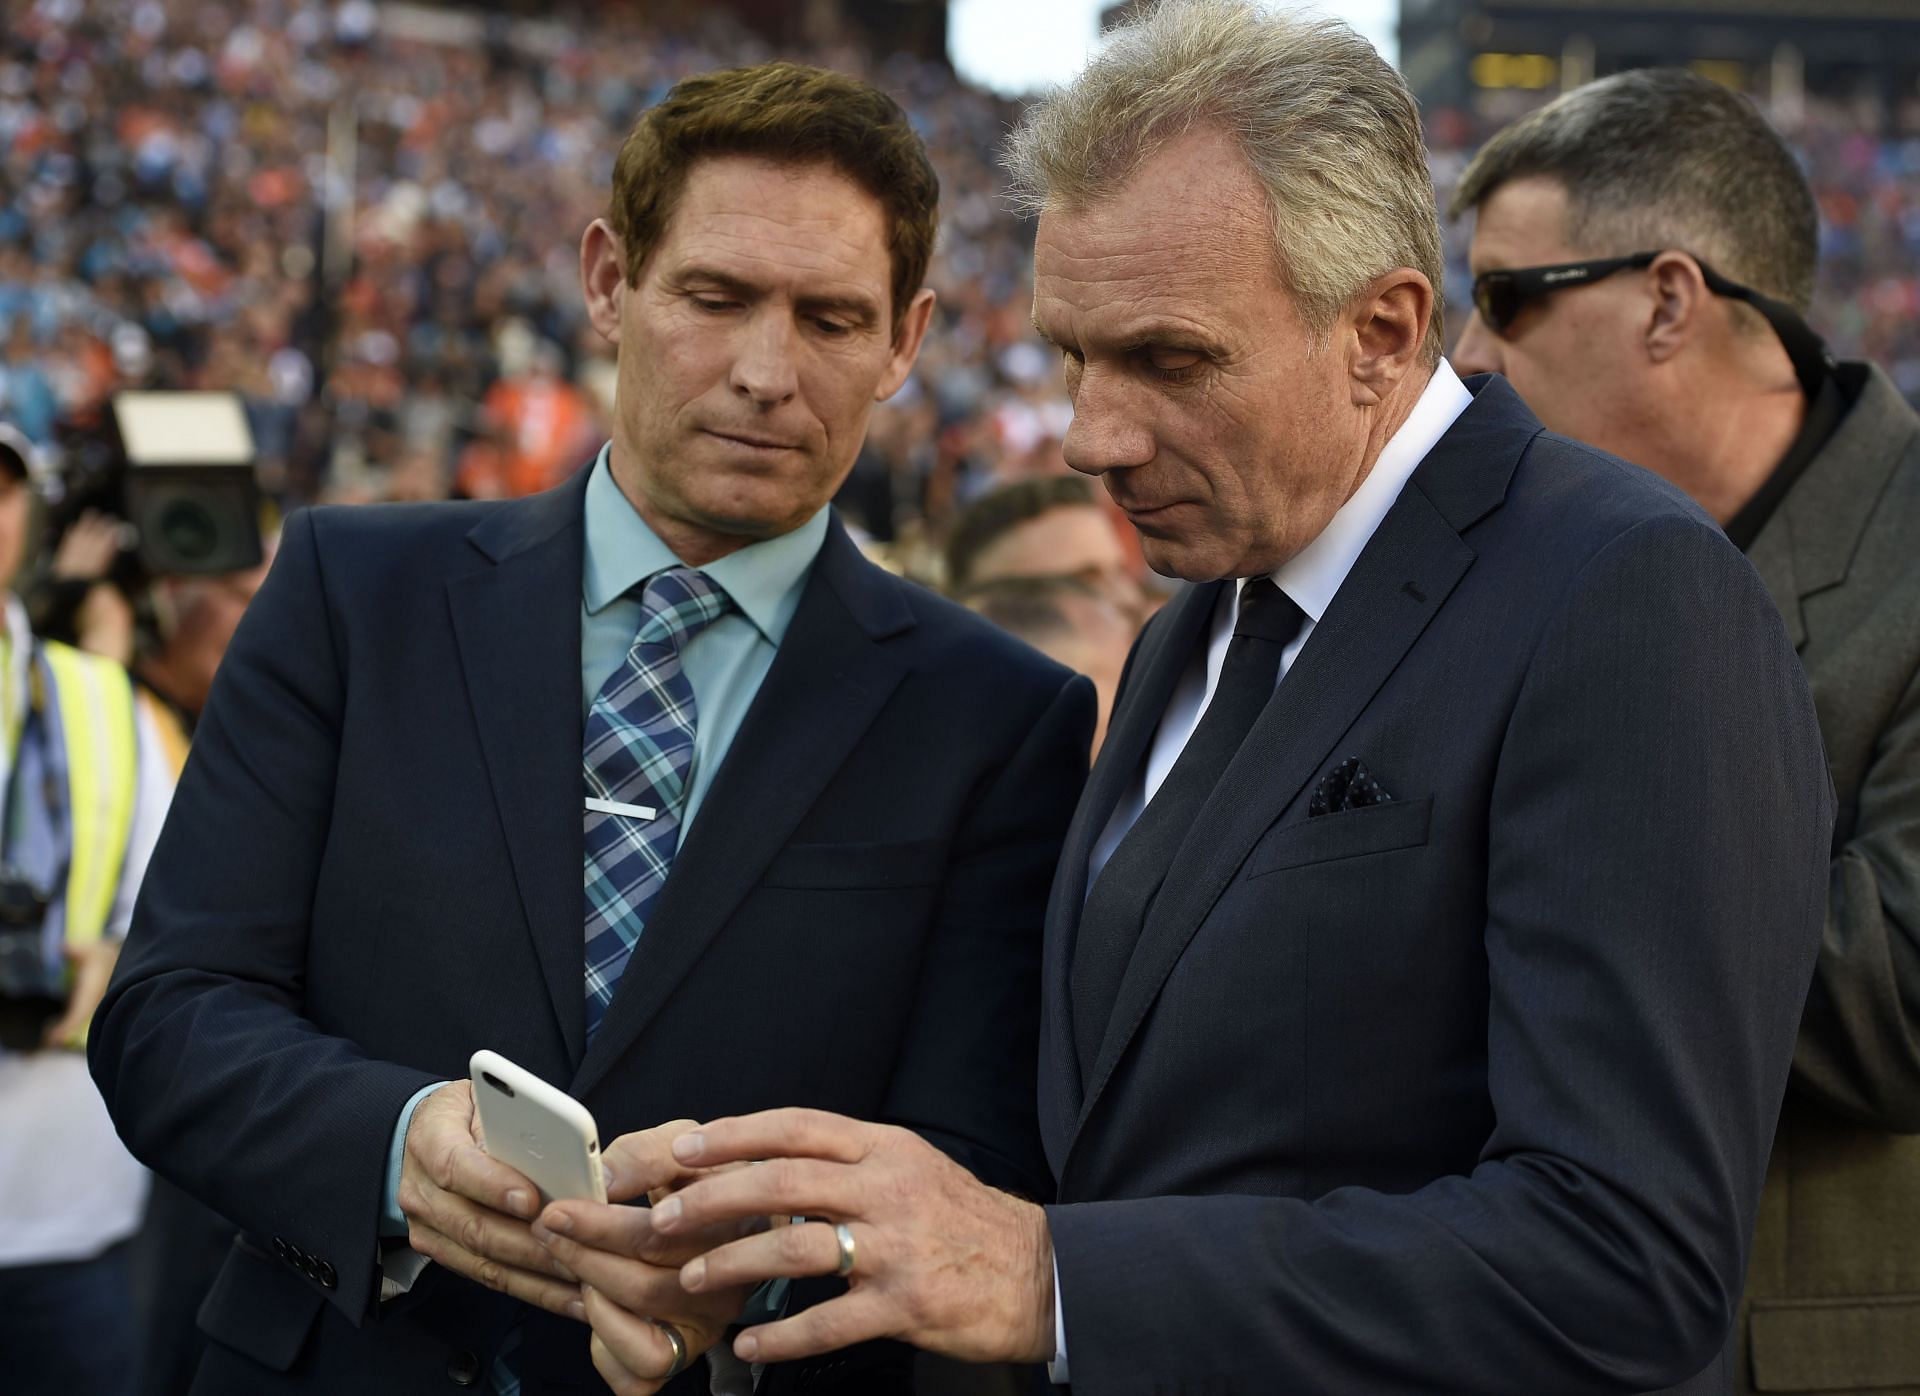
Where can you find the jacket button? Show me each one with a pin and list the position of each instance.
(328, 1279)
(281, 1249)
(463, 1369)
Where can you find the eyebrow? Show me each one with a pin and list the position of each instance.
(1152, 335)
(860, 308)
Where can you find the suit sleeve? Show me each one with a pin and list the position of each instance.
(211, 1068)
(1859, 1050)
(1659, 829)
(965, 1074)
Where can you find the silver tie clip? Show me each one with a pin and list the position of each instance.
(615, 807)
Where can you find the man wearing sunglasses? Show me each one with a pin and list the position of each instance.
(1643, 253)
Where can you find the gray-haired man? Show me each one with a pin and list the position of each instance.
(1425, 956)
(1814, 469)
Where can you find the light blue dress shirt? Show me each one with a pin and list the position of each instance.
(725, 663)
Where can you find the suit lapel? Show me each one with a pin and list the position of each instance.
(1772, 557)
(1402, 578)
(830, 679)
(517, 623)
(1808, 545)
(1166, 648)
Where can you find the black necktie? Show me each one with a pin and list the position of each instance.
(1116, 908)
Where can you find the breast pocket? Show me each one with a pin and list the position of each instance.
(858, 866)
(1349, 834)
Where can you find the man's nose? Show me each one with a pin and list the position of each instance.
(765, 370)
(1478, 349)
(1105, 433)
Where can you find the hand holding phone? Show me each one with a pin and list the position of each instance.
(537, 1129)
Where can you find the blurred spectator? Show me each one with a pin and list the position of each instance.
(1067, 619)
(87, 790)
(1050, 525)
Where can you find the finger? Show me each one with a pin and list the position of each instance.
(639, 1162)
(854, 1317)
(788, 1133)
(543, 1291)
(634, 1348)
(493, 1235)
(787, 1252)
(441, 1140)
(616, 1227)
(652, 1291)
(780, 1185)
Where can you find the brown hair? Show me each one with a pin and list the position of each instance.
(999, 512)
(789, 113)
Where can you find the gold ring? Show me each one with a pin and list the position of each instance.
(679, 1348)
(845, 1237)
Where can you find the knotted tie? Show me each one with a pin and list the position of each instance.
(639, 752)
(1116, 908)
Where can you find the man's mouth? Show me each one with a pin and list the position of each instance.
(758, 441)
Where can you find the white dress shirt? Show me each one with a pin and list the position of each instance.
(1311, 578)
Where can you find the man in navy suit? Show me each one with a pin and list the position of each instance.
(815, 808)
(1425, 959)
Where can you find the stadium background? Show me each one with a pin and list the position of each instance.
(364, 217)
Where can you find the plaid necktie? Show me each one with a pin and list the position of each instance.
(639, 752)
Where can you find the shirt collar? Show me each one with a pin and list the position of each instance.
(1312, 575)
(763, 579)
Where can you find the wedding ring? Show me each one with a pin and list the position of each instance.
(845, 1238)
(679, 1348)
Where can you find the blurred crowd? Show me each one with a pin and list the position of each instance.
(366, 222)
(369, 226)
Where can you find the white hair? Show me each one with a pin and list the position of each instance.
(1329, 128)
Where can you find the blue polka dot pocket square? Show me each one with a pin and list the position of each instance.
(1350, 785)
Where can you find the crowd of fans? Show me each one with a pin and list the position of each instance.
(367, 222)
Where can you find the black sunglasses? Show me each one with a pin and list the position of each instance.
(1501, 295)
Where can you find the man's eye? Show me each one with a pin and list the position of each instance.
(833, 328)
(1173, 363)
(713, 305)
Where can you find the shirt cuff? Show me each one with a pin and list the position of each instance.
(392, 1221)
(1057, 1369)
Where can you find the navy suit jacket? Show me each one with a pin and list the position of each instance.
(1471, 1090)
(373, 867)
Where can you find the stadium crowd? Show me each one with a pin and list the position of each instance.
(178, 207)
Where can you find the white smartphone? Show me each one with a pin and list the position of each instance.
(538, 1129)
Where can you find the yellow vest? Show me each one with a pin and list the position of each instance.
(94, 697)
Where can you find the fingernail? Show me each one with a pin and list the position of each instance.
(694, 1274)
(541, 1233)
(689, 1147)
(519, 1203)
(667, 1213)
(746, 1347)
(577, 1310)
(609, 1174)
(561, 1223)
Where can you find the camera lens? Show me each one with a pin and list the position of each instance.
(188, 531)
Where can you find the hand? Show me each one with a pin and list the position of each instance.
(470, 1212)
(941, 1260)
(92, 968)
(87, 551)
(630, 1272)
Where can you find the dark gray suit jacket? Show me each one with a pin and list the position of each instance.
(1472, 1090)
(1835, 1281)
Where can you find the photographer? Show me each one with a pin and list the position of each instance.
(85, 791)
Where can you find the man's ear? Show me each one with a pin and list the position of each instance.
(1677, 296)
(603, 278)
(1388, 324)
(906, 344)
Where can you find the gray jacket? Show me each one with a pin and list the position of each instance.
(1834, 1287)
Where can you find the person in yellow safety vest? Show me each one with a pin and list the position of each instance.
(85, 785)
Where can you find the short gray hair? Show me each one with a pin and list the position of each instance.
(1662, 158)
(1328, 127)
